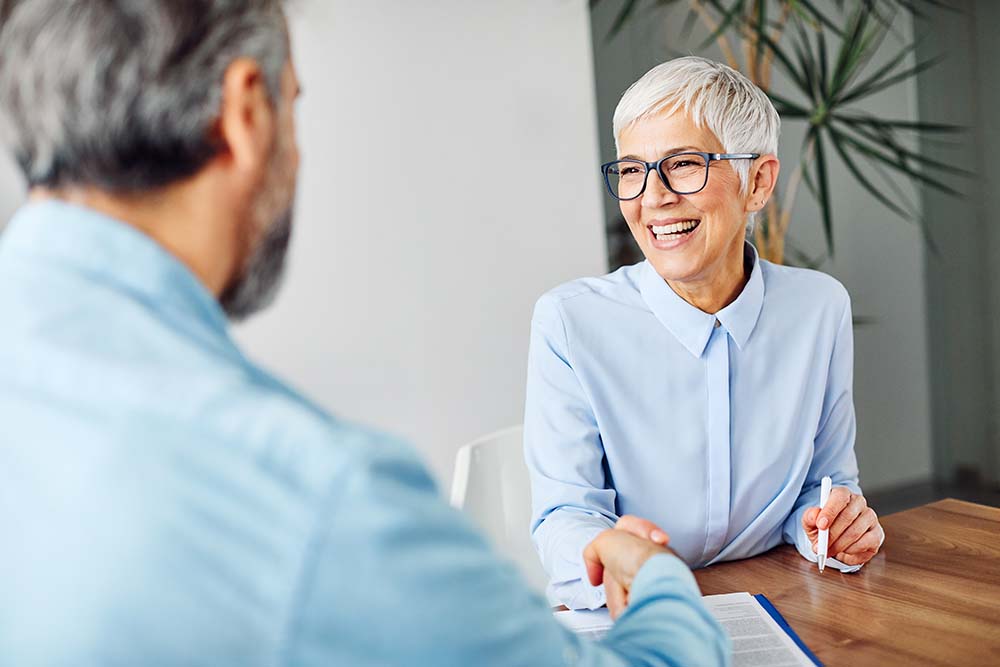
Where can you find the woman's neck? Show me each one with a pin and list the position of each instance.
(712, 294)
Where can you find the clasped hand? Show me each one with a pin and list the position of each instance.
(615, 556)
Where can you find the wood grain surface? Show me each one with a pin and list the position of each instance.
(930, 597)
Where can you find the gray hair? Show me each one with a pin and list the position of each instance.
(123, 94)
(713, 95)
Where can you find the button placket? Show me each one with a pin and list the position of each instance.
(719, 435)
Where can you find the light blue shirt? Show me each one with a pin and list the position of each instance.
(719, 428)
(163, 501)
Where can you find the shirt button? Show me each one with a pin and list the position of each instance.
(717, 323)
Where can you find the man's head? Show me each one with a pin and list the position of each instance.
(144, 101)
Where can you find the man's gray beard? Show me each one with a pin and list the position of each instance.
(261, 278)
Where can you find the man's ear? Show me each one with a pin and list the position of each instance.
(763, 180)
(247, 122)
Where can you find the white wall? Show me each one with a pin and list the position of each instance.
(449, 177)
(879, 257)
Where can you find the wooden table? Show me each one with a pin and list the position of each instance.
(930, 597)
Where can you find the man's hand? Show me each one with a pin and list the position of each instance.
(615, 556)
(855, 533)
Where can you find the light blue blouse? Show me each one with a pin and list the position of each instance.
(164, 501)
(718, 428)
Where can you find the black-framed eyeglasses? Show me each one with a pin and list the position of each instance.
(681, 173)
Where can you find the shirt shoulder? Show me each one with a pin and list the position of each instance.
(302, 442)
(592, 296)
(803, 289)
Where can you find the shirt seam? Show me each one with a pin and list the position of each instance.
(844, 319)
(581, 290)
(565, 334)
(310, 561)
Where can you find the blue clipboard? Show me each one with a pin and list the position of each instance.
(780, 620)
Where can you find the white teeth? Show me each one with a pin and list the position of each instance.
(675, 228)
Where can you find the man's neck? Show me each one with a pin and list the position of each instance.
(172, 219)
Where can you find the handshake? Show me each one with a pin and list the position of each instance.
(616, 555)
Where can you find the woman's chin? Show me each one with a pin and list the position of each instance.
(675, 266)
(676, 274)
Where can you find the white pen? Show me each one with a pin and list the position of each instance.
(824, 535)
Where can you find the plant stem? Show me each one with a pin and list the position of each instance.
(769, 240)
(750, 46)
(793, 185)
(722, 40)
(765, 79)
(759, 238)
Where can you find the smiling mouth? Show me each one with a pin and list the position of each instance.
(675, 230)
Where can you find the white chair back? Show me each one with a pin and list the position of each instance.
(491, 485)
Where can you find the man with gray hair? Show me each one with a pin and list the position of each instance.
(162, 499)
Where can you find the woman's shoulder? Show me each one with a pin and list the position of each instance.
(619, 287)
(801, 286)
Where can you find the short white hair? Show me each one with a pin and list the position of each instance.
(713, 95)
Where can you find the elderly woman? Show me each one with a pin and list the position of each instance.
(703, 389)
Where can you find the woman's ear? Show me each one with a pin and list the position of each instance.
(763, 180)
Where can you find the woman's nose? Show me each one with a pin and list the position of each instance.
(657, 194)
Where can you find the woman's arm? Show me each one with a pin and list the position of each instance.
(562, 444)
(834, 456)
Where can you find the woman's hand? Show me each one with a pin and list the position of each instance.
(855, 533)
(643, 528)
(616, 555)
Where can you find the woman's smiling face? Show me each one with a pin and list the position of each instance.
(703, 239)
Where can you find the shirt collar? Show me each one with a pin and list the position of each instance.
(109, 250)
(693, 327)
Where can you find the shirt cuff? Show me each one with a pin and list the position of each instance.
(804, 547)
(830, 562)
(568, 581)
(576, 594)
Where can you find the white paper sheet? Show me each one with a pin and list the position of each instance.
(590, 624)
(758, 640)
